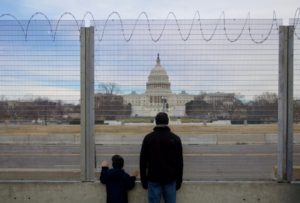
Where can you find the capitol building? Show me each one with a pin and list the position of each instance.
(158, 96)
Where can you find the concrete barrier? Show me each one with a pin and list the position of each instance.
(271, 138)
(191, 192)
(40, 139)
(137, 139)
(241, 139)
(17, 139)
(119, 139)
(296, 172)
(200, 139)
(40, 174)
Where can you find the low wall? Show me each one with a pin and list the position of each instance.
(137, 139)
(191, 192)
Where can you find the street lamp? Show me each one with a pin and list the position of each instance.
(164, 100)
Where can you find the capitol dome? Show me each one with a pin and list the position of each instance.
(158, 81)
(158, 96)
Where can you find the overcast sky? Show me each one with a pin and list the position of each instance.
(209, 9)
(221, 65)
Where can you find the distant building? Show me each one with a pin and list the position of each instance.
(158, 96)
(226, 99)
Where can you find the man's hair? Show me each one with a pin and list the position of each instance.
(117, 161)
(162, 118)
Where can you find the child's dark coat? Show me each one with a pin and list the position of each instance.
(118, 182)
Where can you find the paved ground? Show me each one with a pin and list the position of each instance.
(201, 162)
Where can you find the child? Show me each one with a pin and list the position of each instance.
(117, 181)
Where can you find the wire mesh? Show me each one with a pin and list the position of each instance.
(296, 89)
(39, 94)
(217, 79)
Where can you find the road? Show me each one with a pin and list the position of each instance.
(201, 162)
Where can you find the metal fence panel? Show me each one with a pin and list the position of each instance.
(39, 99)
(217, 80)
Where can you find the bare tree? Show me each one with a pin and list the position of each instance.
(296, 110)
(236, 107)
(110, 106)
(264, 108)
(2, 98)
(266, 98)
(199, 109)
(108, 88)
(45, 108)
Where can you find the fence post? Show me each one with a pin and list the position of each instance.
(285, 104)
(87, 117)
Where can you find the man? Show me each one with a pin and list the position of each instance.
(161, 162)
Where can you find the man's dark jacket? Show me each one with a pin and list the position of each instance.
(161, 158)
(118, 182)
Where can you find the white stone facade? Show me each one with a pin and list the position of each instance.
(158, 96)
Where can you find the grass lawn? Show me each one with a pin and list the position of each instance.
(106, 129)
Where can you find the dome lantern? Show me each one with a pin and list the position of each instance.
(158, 81)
